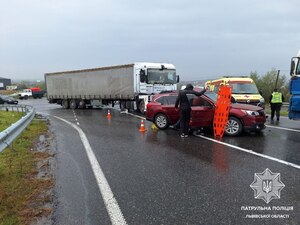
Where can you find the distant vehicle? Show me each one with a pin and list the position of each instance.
(34, 92)
(132, 85)
(4, 99)
(161, 111)
(244, 89)
(294, 106)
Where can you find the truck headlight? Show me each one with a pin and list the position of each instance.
(251, 113)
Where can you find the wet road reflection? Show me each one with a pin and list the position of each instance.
(159, 178)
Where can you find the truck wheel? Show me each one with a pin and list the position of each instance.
(26, 97)
(81, 104)
(141, 106)
(234, 127)
(73, 104)
(65, 104)
(161, 121)
(122, 105)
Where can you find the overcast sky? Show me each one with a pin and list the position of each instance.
(204, 39)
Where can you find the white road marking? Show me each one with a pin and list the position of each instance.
(111, 204)
(246, 150)
(251, 152)
(283, 128)
(140, 117)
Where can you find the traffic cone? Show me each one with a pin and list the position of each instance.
(108, 114)
(142, 128)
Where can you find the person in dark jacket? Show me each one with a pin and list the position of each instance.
(185, 107)
(276, 100)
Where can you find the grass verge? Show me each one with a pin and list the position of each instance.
(21, 190)
(8, 118)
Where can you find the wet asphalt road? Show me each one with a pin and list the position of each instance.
(159, 178)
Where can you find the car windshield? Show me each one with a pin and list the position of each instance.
(157, 76)
(244, 88)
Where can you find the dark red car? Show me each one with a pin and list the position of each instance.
(161, 111)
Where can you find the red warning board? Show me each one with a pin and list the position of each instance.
(222, 110)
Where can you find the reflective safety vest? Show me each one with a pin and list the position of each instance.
(276, 97)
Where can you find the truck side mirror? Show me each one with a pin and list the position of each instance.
(177, 78)
(292, 66)
(142, 75)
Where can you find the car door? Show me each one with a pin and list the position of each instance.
(168, 106)
(202, 113)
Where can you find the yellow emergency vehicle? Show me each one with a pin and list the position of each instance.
(244, 89)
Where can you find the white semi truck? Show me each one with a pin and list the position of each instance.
(132, 85)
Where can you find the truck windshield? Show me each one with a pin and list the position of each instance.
(244, 88)
(157, 76)
(298, 67)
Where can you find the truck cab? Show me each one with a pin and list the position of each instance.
(153, 78)
(25, 94)
(294, 106)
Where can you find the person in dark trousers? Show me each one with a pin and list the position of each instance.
(185, 107)
(276, 100)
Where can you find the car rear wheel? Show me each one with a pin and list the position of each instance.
(161, 121)
(234, 126)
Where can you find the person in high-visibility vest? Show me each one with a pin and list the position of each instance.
(276, 100)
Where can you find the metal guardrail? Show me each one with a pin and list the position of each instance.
(11, 133)
(285, 105)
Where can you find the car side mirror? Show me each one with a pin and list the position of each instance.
(177, 78)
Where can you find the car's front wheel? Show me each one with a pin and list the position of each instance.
(161, 121)
(234, 126)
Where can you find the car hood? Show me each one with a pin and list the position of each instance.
(245, 107)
